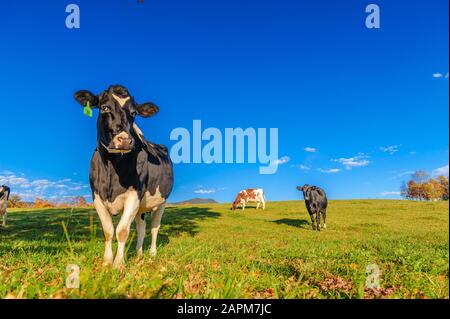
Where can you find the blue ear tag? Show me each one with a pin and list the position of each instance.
(87, 109)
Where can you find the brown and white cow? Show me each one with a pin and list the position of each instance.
(250, 195)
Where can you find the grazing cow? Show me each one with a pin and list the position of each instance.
(128, 174)
(4, 196)
(250, 195)
(316, 203)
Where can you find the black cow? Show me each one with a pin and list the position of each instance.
(316, 203)
(128, 174)
(4, 196)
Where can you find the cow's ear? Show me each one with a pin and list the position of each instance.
(147, 109)
(84, 96)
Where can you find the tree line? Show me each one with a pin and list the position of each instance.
(423, 187)
(15, 201)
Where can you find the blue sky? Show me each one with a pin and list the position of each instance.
(373, 104)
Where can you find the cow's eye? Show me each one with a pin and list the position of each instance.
(105, 108)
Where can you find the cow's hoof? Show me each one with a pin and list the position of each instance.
(324, 226)
(139, 252)
(107, 262)
(153, 253)
(119, 264)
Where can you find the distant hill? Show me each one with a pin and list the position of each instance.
(196, 201)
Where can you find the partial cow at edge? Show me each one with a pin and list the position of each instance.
(4, 196)
(128, 175)
(250, 195)
(316, 203)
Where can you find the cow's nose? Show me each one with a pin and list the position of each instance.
(124, 140)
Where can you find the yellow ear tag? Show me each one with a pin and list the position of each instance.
(87, 109)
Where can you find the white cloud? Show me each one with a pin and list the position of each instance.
(329, 171)
(390, 149)
(439, 75)
(389, 193)
(304, 167)
(282, 160)
(205, 191)
(441, 171)
(43, 188)
(404, 174)
(359, 160)
(310, 149)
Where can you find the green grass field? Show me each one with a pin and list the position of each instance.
(207, 251)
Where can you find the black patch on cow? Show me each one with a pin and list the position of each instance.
(144, 169)
(4, 192)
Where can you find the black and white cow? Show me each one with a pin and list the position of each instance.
(316, 203)
(128, 174)
(4, 196)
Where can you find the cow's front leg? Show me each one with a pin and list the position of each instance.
(313, 221)
(140, 227)
(257, 204)
(130, 210)
(108, 229)
(324, 215)
(156, 223)
(318, 220)
(4, 219)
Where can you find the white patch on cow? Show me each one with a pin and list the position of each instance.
(108, 228)
(140, 228)
(120, 100)
(138, 132)
(324, 225)
(129, 203)
(242, 202)
(156, 222)
(151, 202)
(131, 208)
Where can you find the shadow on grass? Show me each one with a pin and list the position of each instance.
(301, 223)
(84, 224)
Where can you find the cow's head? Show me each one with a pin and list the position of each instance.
(239, 200)
(116, 117)
(306, 189)
(4, 192)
